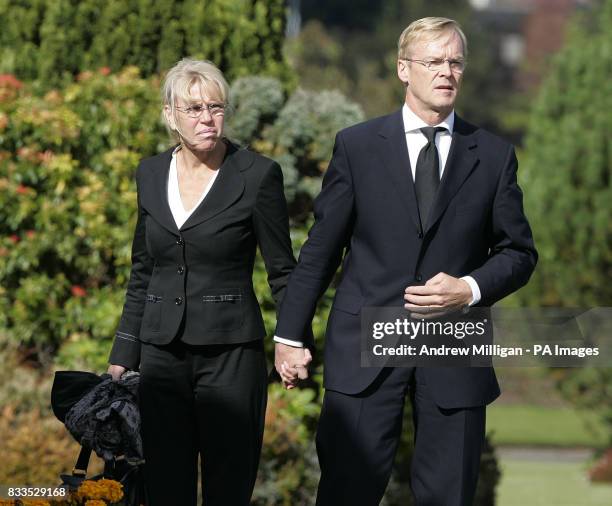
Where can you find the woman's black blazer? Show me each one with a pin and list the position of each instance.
(197, 280)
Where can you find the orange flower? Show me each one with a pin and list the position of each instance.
(104, 70)
(14, 238)
(21, 189)
(30, 234)
(109, 490)
(95, 502)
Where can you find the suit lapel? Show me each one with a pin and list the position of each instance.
(154, 192)
(394, 153)
(462, 159)
(227, 188)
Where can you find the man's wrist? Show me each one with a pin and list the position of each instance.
(476, 296)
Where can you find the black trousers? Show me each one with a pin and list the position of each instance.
(208, 401)
(358, 436)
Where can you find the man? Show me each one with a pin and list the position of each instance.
(427, 212)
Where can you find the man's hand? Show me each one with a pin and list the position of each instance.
(116, 371)
(441, 295)
(291, 363)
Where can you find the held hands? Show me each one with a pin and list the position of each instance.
(116, 371)
(291, 363)
(441, 295)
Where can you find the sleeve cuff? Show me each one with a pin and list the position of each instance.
(476, 296)
(288, 342)
(125, 351)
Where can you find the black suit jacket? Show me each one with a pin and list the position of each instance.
(367, 211)
(197, 280)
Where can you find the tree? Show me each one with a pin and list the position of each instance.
(52, 40)
(567, 175)
(568, 169)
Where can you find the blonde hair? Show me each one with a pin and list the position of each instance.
(178, 83)
(428, 28)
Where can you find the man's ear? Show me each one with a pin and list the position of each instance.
(403, 71)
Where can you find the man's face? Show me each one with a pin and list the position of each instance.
(432, 90)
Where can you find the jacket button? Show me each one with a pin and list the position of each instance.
(420, 235)
(178, 301)
(418, 277)
(180, 269)
(180, 241)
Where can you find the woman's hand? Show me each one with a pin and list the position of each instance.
(116, 371)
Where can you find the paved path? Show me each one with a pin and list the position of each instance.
(540, 454)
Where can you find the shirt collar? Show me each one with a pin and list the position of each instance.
(412, 122)
(176, 150)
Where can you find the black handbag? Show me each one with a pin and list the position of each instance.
(69, 388)
(130, 476)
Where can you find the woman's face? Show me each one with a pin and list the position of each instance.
(199, 121)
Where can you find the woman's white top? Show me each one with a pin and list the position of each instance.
(179, 213)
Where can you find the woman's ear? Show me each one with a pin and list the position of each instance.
(169, 117)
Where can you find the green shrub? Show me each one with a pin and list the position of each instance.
(67, 205)
(53, 40)
(301, 139)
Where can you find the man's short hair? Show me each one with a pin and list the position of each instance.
(427, 28)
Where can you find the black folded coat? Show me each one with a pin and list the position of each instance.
(101, 414)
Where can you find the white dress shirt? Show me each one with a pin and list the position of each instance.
(415, 140)
(179, 213)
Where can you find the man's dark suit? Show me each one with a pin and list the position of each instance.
(367, 211)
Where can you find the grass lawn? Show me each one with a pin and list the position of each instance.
(526, 483)
(528, 425)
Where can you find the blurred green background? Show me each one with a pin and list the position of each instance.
(79, 106)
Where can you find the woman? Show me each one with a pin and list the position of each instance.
(191, 322)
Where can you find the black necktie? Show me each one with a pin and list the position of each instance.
(427, 175)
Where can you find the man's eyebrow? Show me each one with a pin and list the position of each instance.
(444, 58)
